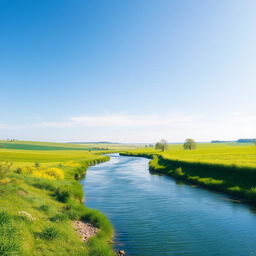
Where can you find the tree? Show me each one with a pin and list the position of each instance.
(189, 144)
(162, 145)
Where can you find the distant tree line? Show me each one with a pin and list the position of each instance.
(149, 145)
(246, 141)
(238, 141)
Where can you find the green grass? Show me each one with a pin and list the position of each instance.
(34, 156)
(39, 147)
(33, 145)
(36, 215)
(230, 168)
(239, 154)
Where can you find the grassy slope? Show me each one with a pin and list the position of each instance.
(22, 192)
(230, 168)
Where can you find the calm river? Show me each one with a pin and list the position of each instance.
(156, 216)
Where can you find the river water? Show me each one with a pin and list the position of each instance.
(155, 215)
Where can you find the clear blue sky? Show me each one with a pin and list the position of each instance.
(131, 70)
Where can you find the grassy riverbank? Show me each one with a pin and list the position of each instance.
(41, 197)
(229, 168)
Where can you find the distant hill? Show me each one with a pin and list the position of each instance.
(222, 141)
(95, 142)
(237, 141)
(246, 140)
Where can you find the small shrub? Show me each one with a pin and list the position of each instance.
(49, 233)
(60, 217)
(44, 208)
(5, 168)
(178, 172)
(73, 215)
(37, 164)
(67, 207)
(49, 173)
(62, 194)
(56, 173)
(76, 176)
(18, 170)
(70, 212)
(5, 218)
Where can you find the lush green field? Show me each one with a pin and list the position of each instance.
(32, 145)
(40, 197)
(230, 168)
(44, 156)
(239, 154)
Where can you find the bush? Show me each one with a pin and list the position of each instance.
(72, 215)
(62, 194)
(56, 173)
(70, 212)
(178, 172)
(5, 218)
(49, 173)
(4, 169)
(37, 164)
(18, 170)
(49, 233)
(44, 208)
(59, 217)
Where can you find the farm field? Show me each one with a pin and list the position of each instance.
(33, 145)
(41, 197)
(239, 154)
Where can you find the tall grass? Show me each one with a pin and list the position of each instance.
(9, 239)
(51, 204)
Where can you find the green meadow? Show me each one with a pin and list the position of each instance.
(41, 197)
(225, 167)
(239, 154)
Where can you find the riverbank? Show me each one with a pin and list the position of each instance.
(41, 198)
(233, 180)
(147, 209)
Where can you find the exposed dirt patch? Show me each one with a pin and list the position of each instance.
(85, 230)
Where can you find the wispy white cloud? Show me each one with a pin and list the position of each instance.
(118, 120)
(137, 128)
(5, 126)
